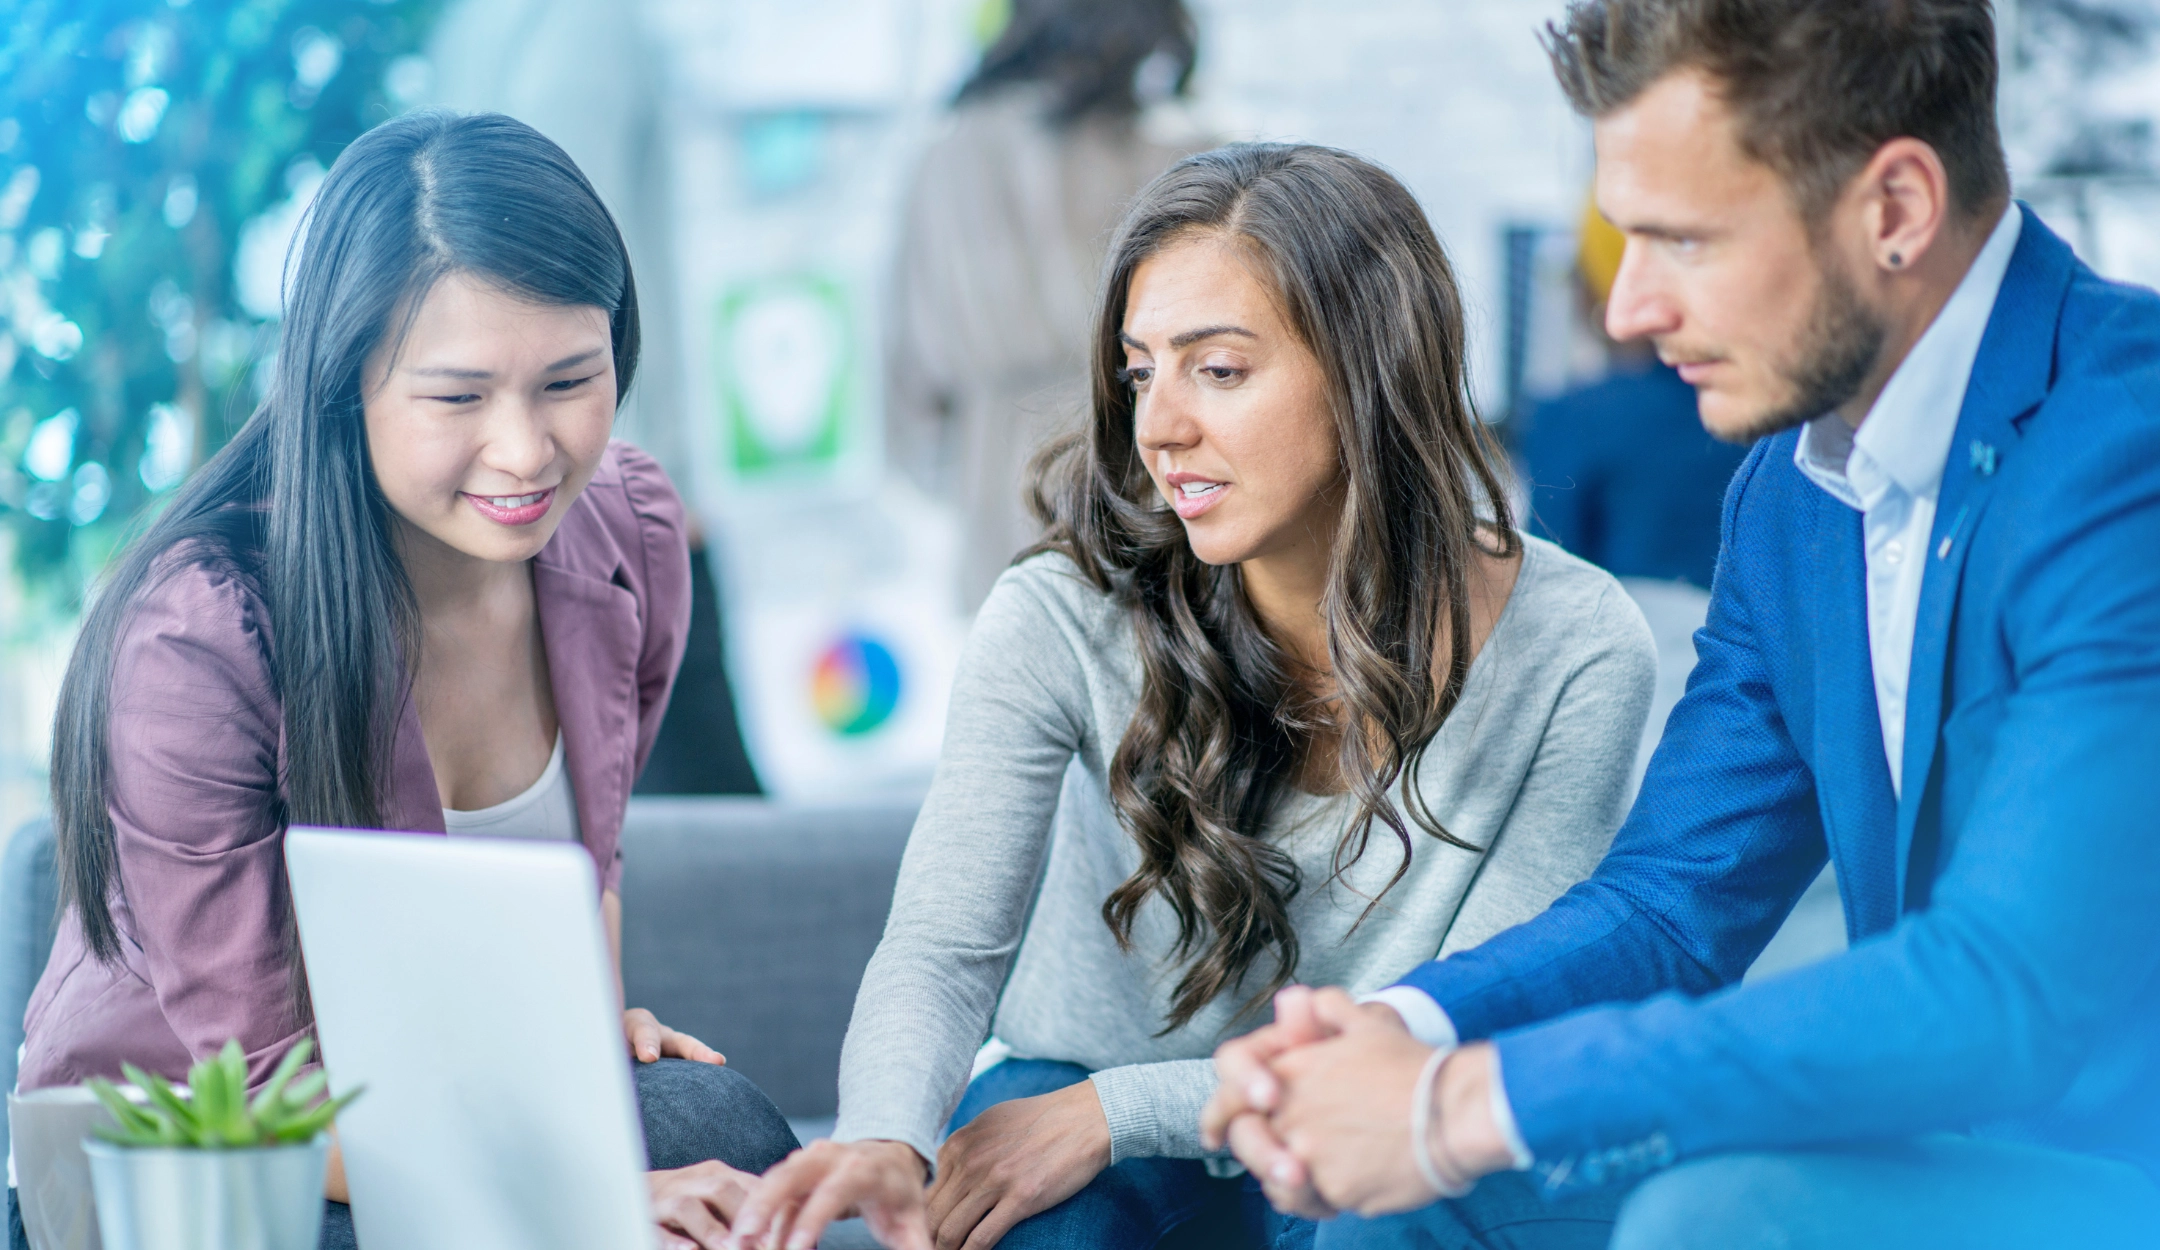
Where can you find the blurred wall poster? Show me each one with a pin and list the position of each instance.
(844, 646)
(843, 683)
(787, 373)
(842, 620)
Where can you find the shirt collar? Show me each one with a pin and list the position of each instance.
(1904, 441)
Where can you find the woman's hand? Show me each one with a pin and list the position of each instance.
(882, 1181)
(334, 1187)
(1017, 1159)
(651, 1040)
(694, 1205)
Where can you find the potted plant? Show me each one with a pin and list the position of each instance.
(210, 1168)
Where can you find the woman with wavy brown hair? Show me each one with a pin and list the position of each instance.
(1282, 694)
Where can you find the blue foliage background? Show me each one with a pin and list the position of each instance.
(146, 146)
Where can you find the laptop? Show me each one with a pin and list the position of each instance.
(465, 982)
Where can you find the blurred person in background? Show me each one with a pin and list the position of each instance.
(1621, 472)
(1932, 656)
(1000, 245)
(421, 590)
(1270, 700)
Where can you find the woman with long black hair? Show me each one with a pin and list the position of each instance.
(1282, 695)
(421, 590)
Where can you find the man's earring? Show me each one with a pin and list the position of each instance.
(1897, 260)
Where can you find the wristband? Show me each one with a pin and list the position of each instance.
(1421, 1128)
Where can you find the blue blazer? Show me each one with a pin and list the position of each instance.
(2004, 972)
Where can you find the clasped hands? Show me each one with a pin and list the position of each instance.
(1317, 1106)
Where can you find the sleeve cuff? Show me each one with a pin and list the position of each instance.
(1426, 1021)
(1153, 1109)
(1503, 1115)
(1135, 1133)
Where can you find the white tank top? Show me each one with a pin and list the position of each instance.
(547, 809)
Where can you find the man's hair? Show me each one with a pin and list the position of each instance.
(1817, 86)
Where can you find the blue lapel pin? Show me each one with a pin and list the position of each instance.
(1983, 458)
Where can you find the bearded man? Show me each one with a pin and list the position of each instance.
(1932, 657)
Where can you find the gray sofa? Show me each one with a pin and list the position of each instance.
(29, 894)
(747, 923)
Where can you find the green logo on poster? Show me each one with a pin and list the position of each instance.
(786, 360)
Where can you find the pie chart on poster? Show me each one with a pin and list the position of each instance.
(855, 684)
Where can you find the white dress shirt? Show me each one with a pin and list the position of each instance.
(1890, 471)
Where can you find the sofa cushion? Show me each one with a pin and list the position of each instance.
(29, 901)
(748, 923)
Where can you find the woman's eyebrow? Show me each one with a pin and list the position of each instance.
(578, 359)
(1207, 332)
(1189, 337)
(445, 371)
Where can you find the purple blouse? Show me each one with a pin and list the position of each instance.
(198, 757)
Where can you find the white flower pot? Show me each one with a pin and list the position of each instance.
(269, 1198)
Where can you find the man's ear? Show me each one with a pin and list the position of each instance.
(1904, 195)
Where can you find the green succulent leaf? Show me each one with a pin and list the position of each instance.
(132, 1125)
(309, 1088)
(216, 1112)
(309, 1123)
(273, 1090)
(166, 1098)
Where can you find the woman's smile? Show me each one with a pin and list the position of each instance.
(512, 510)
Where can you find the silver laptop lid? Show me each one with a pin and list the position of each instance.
(465, 982)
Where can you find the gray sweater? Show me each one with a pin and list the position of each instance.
(996, 926)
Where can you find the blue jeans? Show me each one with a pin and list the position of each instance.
(1139, 1203)
(1508, 1211)
(692, 1112)
(1939, 1192)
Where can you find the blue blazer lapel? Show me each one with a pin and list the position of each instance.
(2009, 380)
(1858, 806)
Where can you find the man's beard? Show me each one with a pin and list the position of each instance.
(1843, 340)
